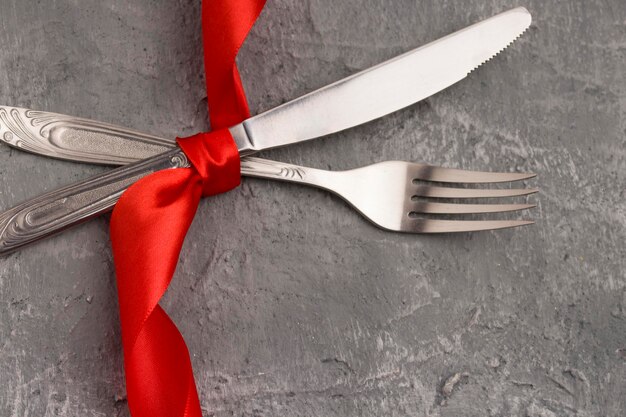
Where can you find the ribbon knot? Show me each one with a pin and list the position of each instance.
(215, 157)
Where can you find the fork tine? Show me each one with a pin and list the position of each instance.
(439, 174)
(454, 226)
(428, 207)
(449, 192)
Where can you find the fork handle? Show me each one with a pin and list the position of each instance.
(274, 170)
(57, 210)
(67, 206)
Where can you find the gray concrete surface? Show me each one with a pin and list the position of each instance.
(290, 302)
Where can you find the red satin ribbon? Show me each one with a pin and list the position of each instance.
(149, 224)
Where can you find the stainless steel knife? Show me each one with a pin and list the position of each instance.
(354, 100)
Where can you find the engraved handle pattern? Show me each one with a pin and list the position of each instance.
(60, 209)
(275, 170)
(76, 139)
(264, 168)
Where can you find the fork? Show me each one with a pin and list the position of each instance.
(390, 194)
(386, 193)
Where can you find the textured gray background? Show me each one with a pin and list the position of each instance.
(291, 303)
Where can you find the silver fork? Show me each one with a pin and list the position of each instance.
(384, 193)
(391, 195)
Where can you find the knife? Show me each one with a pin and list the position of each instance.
(357, 99)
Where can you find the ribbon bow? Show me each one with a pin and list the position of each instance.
(151, 219)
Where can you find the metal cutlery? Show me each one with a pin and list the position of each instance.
(388, 194)
(357, 99)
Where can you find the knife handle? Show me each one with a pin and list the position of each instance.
(67, 206)
(76, 139)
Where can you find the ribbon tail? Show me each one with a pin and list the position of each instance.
(225, 25)
(148, 227)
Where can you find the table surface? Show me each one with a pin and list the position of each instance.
(290, 302)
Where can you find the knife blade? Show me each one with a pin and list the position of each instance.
(357, 99)
(384, 88)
